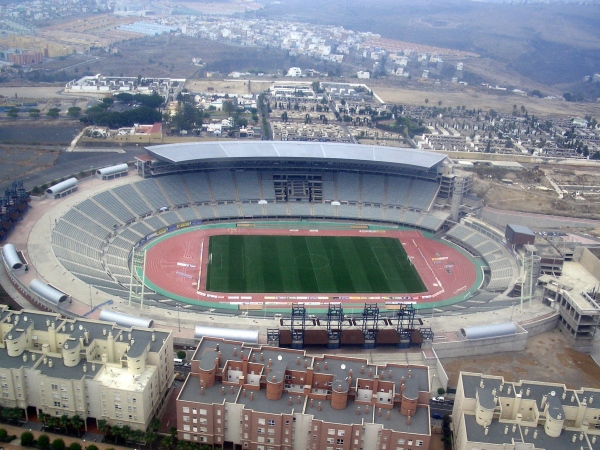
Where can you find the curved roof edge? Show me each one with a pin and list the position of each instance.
(62, 186)
(489, 331)
(189, 152)
(233, 334)
(47, 292)
(11, 256)
(110, 170)
(125, 320)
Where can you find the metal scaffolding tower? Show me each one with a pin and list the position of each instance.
(138, 266)
(370, 324)
(335, 319)
(298, 326)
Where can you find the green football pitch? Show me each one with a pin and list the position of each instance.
(310, 264)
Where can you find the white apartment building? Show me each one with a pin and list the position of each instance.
(83, 367)
(493, 414)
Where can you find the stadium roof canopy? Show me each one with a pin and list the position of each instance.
(335, 152)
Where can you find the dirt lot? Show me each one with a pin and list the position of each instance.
(238, 87)
(547, 357)
(472, 97)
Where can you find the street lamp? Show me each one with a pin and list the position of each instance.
(178, 319)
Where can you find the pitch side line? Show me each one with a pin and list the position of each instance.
(428, 266)
(200, 264)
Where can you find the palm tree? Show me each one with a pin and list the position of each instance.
(64, 422)
(76, 423)
(103, 427)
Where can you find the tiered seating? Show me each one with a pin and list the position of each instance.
(197, 186)
(63, 253)
(69, 243)
(152, 194)
(350, 211)
(171, 217)
(300, 209)
(348, 187)
(111, 204)
(248, 185)
(411, 217)
(222, 185)
(267, 187)
(228, 210)
(324, 210)
(430, 222)
(141, 228)
(397, 190)
(422, 194)
(155, 222)
(373, 189)
(394, 215)
(328, 187)
(205, 211)
(131, 198)
(371, 213)
(252, 210)
(96, 213)
(174, 187)
(129, 235)
(276, 209)
(187, 214)
(65, 228)
(460, 232)
(487, 248)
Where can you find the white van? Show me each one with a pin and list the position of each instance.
(178, 362)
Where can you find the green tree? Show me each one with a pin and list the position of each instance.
(91, 447)
(43, 442)
(3, 435)
(27, 439)
(426, 100)
(58, 444)
(74, 111)
(13, 113)
(34, 112)
(76, 422)
(181, 354)
(53, 112)
(441, 391)
(74, 446)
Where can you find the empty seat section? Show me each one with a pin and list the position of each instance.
(411, 217)
(328, 187)
(324, 210)
(431, 222)
(187, 214)
(205, 211)
(371, 213)
(350, 211)
(422, 194)
(348, 187)
(299, 209)
(252, 210)
(174, 187)
(131, 198)
(197, 186)
(98, 214)
(277, 209)
(267, 186)
(130, 235)
(152, 194)
(228, 211)
(373, 188)
(141, 228)
(222, 185)
(155, 223)
(248, 185)
(171, 217)
(114, 206)
(394, 215)
(397, 190)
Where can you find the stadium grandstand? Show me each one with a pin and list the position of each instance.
(203, 183)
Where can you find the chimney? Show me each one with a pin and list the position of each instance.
(370, 372)
(299, 399)
(527, 392)
(574, 438)
(93, 367)
(234, 351)
(581, 436)
(253, 357)
(270, 363)
(526, 431)
(222, 390)
(407, 420)
(305, 363)
(244, 393)
(390, 374)
(535, 434)
(50, 363)
(501, 387)
(231, 389)
(378, 412)
(317, 366)
(262, 356)
(297, 360)
(409, 373)
(481, 383)
(312, 402)
(274, 378)
(387, 415)
(217, 347)
(593, 439)
(84, 368)
(251, 395)
(509, 390)
(564, 395)
(325, 365)
(362, 369)
(591, 400)
(201, 390)
(506, 429)
(366, 409)
(319, 406)
(290, 401)
(486, 431)
(514, 427)
(358, 410)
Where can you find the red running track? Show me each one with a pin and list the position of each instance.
(175, 265)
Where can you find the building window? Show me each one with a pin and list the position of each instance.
(419, 443)
(271, 422)
(341, 432)
(55, 387)
(202, 412)
(261, 421)
(340, 442)
(186, 436)
(186, 428)
(260, 430)
(330, 432)
(186, 418)
(186, 409)
(330, 440)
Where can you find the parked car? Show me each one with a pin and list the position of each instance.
(438, 399)
(437, 416)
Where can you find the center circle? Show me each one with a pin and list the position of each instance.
(310, 261)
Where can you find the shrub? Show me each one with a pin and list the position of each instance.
(75, 446)
(27, 439)
(43, 442)
(181, 354)
(91, 447)
(441, 391)
(58, 444)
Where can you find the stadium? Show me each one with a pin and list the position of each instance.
(190, 193)
(262, 229)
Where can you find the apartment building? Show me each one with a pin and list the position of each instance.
(492, 414)
(89, 368)
(270, 398)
